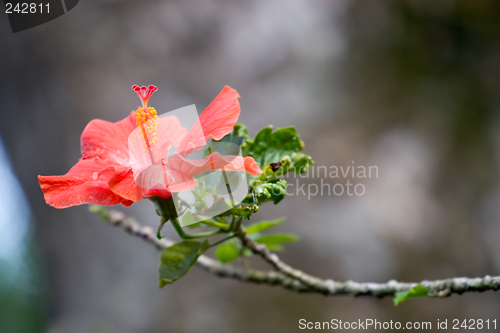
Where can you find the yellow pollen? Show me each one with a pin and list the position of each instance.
(147, 121)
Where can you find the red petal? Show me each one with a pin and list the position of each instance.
(122, 183)
(214, 161)
(160, 176)
(107, 140)
(85, 183)
(251, 166)
(217, 120)
(169, 132)
(159, 193)
(128, 203)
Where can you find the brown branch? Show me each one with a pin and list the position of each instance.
(296, 280)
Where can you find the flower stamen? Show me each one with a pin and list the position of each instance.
(146, 117)
(147, 122)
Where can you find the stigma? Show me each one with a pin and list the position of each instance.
(146, 118)
(144, 93)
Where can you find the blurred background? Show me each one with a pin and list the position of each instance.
(412, 87)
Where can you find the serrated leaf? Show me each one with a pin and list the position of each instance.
(300, 163)
(176, 260)
(273, 239)
(273, 170)
(278, 152)
(417, 291)
(263, 225)
(274, 190)
(227, 252)
(269, 146)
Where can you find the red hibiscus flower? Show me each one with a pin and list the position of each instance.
(115, 155)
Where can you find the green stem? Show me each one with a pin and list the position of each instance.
(184, 235)
(216, 224)
(166, 209)
(219, 219)
(222, 241)
(232, 223)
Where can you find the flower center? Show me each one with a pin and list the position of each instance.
(147, 122)
(146, 117)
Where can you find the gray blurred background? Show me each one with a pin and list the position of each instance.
(411, 87)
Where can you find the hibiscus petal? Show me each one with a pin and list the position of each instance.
(214, 161)
(85, 183)
(180, 181)
(251, 166)
(160, 177)
(215, 122)
(127, 203)
(122, 183)
(169, 132)
(107, 140)
(164, 193)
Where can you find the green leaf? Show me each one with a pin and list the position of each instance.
(277, 153)
(274, 190)
(300, 163)
(275, 239)
(263, 225)
(227, 252)
(176, 260)
(261, 192)
(242, 210)
(269, 146)
(274, 247)
(273, 170)
(417, 291)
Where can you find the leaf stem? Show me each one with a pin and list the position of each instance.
(166, 209)
(231, 227)
(184, 235)
(222, 240)
(217, 224)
